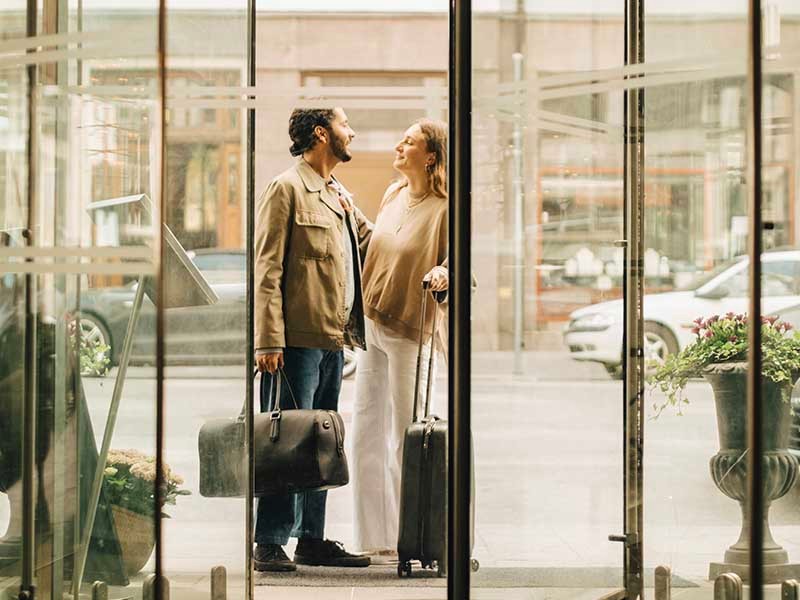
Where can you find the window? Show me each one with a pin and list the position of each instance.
(379, 129)
(779, 278)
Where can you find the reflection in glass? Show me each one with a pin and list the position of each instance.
(205, 343)
(89, 145)
(548, 205)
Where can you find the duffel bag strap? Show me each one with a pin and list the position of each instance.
(243, 412)
(275, 396)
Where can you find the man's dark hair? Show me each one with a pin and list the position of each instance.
(302, 124)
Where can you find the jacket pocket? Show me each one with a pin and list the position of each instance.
(312, 233)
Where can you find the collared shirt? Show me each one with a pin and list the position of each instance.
(347, 246)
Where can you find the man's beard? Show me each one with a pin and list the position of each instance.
(339, 149)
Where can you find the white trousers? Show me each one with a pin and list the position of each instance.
(382, 411)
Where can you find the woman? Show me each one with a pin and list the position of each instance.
(409, 244)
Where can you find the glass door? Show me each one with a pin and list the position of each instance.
(79, 170)
(705, 250)
(549, 204)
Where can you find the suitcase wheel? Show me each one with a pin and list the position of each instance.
(474, 565)
(404, 568)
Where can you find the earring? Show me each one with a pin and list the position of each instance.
(429, 168)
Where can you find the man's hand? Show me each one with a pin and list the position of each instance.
(269, 362)
(438, 278)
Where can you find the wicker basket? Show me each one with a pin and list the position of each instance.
(137, 539)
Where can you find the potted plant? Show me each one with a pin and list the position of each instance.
(94, 358)
(129, 486)
(719, 354)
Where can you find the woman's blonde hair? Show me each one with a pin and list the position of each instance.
(435, 134)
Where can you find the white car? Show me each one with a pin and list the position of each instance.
(594, 333)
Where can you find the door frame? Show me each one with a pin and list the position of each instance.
(459, 343)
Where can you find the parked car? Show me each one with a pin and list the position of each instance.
(213, 334)
(594, 333)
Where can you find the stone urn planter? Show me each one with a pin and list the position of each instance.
(137, 538)
(729, 465)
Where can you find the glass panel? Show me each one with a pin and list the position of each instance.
(13, 187)
(780, 285)
(385, 69)
(547, 183)
(205, 342)
(94, 170)
(696, 225)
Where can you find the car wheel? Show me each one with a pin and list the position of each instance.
(350, 363)
(659, 342)
(95, 332)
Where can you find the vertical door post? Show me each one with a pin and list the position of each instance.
(633, 360)
(460, 268)
(30, 367)
(755, 500)
(250, 245)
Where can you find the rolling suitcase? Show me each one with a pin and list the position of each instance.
(423, 484)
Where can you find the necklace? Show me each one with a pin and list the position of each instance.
(412, 202)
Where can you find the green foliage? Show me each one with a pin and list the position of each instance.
(95, 357)
(724, 339)
(129, 481)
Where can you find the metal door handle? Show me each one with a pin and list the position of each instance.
(627, 538)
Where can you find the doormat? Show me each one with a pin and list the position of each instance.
(486, 577)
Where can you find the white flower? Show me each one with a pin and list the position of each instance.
(125, 457)
(144, 470)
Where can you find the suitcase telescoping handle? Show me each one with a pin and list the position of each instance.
(425, 287)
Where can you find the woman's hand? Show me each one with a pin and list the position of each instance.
(438, 278)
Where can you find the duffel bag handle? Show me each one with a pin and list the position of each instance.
(275, 410)
(276, 376)
(274, 404)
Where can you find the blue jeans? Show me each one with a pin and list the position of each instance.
(315, 377)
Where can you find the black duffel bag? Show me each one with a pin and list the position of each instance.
(294, 450)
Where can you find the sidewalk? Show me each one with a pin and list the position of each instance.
(548, 468)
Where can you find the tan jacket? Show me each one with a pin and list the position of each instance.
(300, 264)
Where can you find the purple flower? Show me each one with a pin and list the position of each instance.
(713, 319)
(708, 333)
(695, 330)
(733, 338)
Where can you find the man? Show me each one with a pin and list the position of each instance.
(309, 245)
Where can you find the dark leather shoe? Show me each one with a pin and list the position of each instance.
(271, 557)
(327, 553)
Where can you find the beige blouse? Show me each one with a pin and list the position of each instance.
(409, 239)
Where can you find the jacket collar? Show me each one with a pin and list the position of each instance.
(311, 179)
(315, 183)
